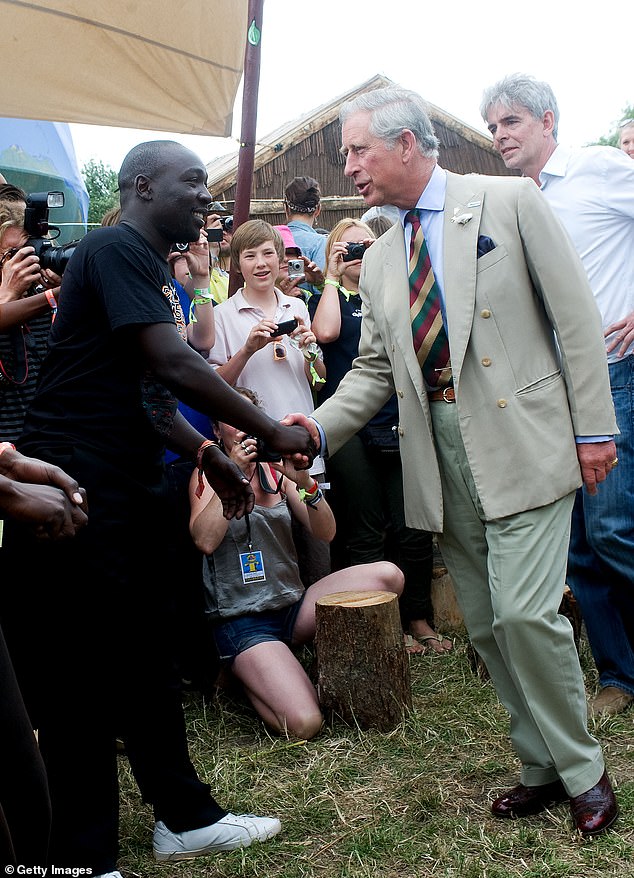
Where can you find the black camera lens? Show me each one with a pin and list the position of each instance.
(55, 258)
(227, 223)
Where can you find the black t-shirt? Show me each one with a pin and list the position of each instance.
(93, 389)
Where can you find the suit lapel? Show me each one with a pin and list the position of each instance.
(460, 262)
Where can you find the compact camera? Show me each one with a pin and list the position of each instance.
(214, 236)
(295, 269)
(36, 225)
(355, 251)
(263, 452)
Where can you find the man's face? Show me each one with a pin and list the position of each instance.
(377, 172)
(518, 136)
(627, 140)
(180, 197)
(13, 238)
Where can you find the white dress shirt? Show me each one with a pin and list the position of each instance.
(592, 192)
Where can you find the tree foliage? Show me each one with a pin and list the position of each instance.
(613, 138)
(101, 183)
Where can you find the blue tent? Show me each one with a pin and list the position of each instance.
(40, 157)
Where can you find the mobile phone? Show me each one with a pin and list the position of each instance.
(214, 236)
(284, 328)
(180, 248)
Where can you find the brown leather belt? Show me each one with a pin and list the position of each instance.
(446, 394)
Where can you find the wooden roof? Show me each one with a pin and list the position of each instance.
(310, 146)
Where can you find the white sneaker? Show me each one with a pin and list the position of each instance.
(233, 831)
(109, 875)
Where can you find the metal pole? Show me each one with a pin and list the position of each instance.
(246, 156)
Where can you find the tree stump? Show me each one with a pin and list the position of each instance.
(362, 667)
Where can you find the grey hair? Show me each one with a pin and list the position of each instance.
(521, 90)
(392, 110)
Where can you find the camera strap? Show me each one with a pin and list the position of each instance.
(21, 365)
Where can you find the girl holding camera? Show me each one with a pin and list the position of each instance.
(255, 597)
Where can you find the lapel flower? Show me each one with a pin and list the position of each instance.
(460, 218)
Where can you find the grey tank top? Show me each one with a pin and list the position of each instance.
(227, 595)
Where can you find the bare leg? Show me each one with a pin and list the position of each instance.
(279, 689)
(378, 576)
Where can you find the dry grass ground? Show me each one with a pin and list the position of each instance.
(413, 803)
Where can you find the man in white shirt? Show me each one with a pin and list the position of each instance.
(592, 192)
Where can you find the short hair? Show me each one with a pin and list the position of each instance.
(302, 195)
(247, 393)
(521, 90)
(342, 226)
(253, 233)
(380, 224)
(145, 158)
(626, 123)
(392, 110)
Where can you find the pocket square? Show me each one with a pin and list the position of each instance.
(485, 245)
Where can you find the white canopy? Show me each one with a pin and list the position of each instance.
(158, 64)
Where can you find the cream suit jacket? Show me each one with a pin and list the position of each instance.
(522, 396)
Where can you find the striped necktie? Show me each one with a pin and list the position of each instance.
(431, 344)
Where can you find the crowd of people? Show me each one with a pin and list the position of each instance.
(188, 472)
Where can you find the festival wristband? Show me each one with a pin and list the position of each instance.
(52, 301)
(199, 464)
(307, 494)
(331, 282)
(201, 297)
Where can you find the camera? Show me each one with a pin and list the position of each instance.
(295, 269)
(355, 251)
(227, 223)
(263, 452)
(180, 248)
(214, 236)
(36, 225)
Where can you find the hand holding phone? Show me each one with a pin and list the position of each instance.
(284, 328)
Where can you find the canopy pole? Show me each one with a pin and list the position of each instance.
(246, 155)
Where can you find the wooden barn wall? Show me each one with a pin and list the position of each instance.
(318, 156)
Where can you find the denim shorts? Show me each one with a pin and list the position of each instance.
(236, 635)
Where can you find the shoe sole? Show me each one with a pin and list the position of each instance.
(178, 856)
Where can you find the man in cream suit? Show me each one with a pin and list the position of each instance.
(491, 459)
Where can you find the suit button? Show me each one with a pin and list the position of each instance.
(401, 431)
(400, 393)
(485, 313)
(502, 403)
(486, 361)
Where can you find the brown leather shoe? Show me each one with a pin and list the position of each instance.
(522, 801)
(610, 701)
(596, 810)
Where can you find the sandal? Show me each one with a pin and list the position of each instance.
(413, 646)
(424, 639)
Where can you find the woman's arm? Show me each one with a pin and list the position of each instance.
(207, 524)
(315, 514)
(326, 323)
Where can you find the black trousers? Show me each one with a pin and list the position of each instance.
(25, 808)
(93, 652)
(367, 498)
